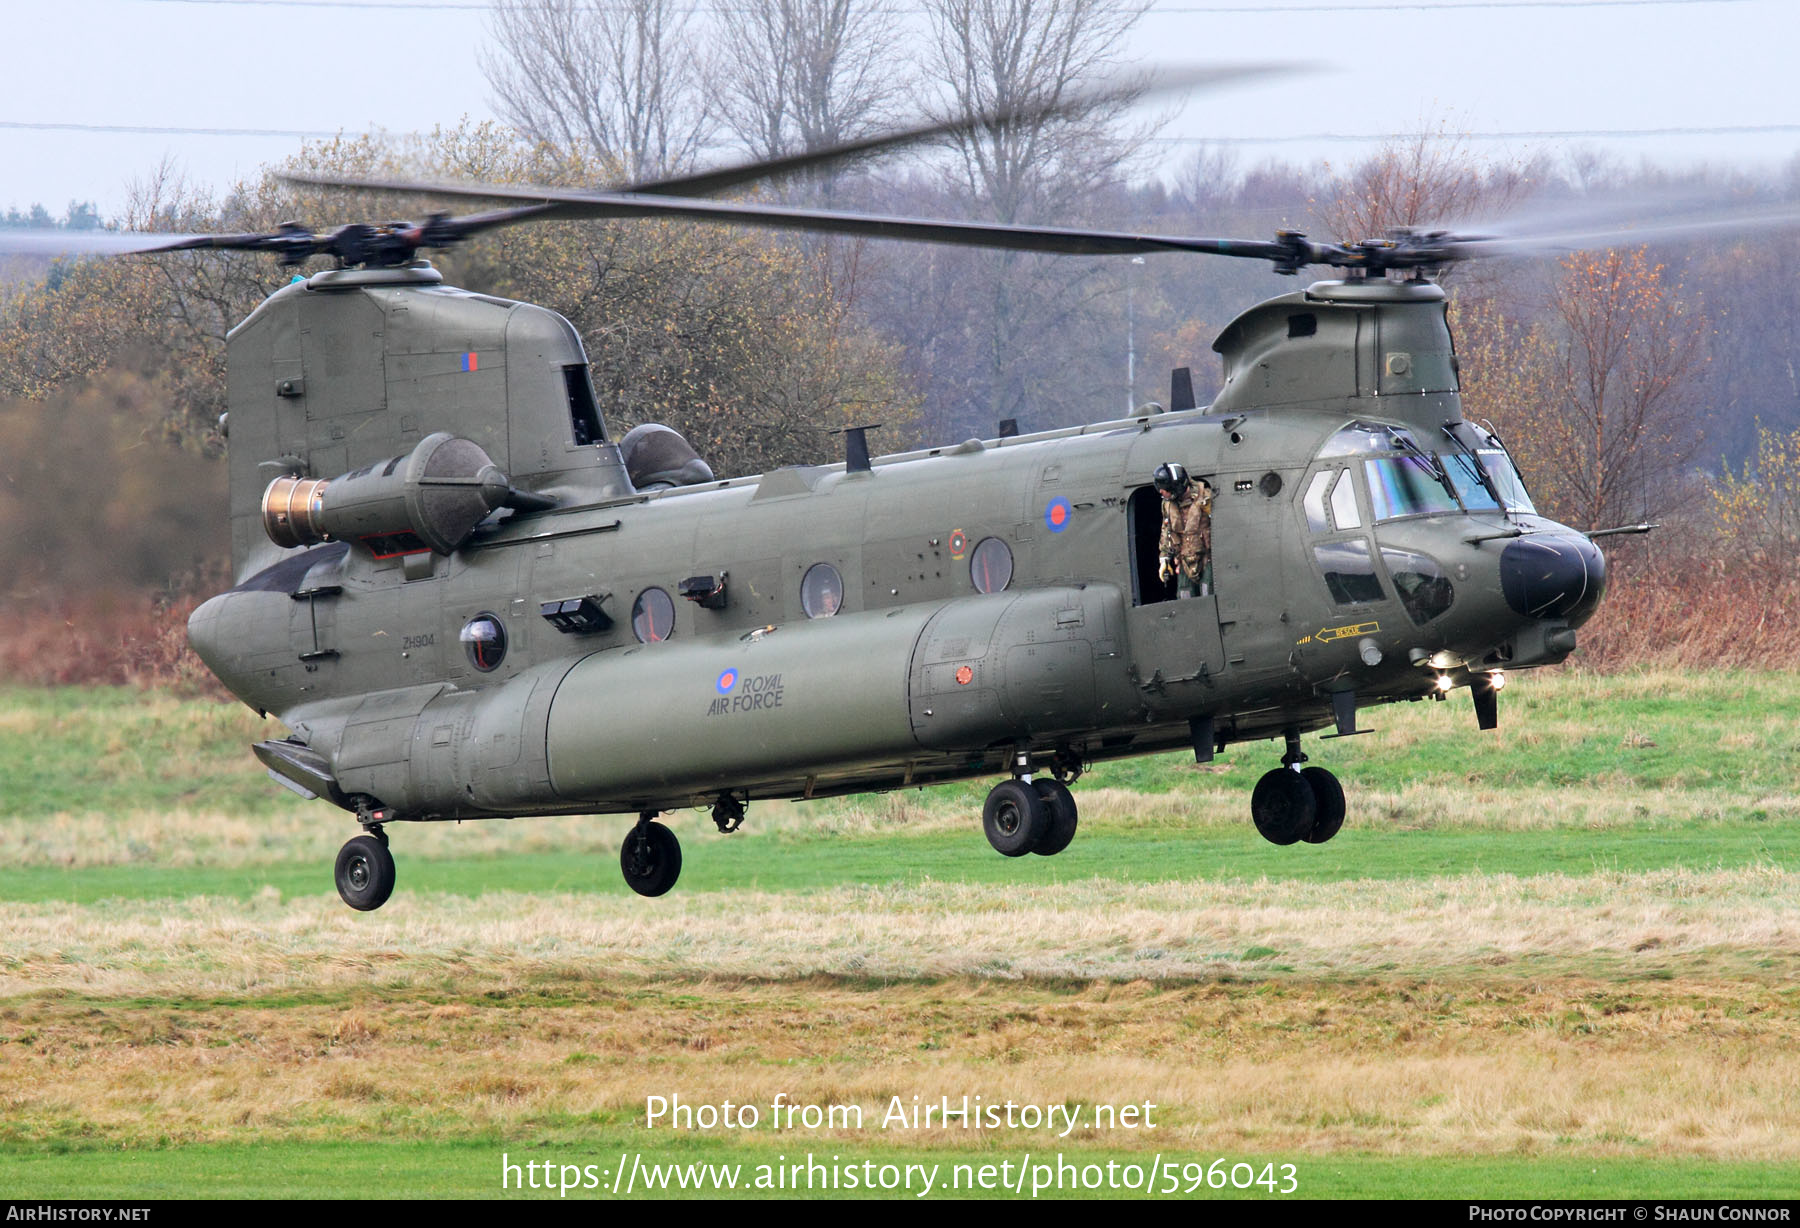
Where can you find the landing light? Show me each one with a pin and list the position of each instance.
(1497, 680)
(1445, 682)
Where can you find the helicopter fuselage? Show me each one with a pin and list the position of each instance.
(954, 612)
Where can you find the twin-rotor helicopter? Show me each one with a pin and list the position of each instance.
(466, 599)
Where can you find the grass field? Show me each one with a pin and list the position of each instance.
(1556, 960)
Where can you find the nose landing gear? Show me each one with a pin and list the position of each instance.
(1291, 804)
(1328, 804)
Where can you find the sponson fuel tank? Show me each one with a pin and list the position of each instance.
(773, 707)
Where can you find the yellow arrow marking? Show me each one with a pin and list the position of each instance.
(1343, 633)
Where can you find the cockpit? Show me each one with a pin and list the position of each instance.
(1468, 470)
(1368, 474)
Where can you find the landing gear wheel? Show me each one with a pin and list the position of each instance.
(1015, 818)
(365, 872)
(1283, 806)
(1060, 803)
(650, 858)
(1328, 803)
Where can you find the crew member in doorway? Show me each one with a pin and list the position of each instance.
(1186, 546)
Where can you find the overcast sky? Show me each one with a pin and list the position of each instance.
(1505, 66)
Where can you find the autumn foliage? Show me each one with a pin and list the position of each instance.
(1616, 383)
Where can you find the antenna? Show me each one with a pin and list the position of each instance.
(856, 446)
(1181, 389)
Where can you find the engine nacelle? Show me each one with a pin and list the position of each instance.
(430, 498)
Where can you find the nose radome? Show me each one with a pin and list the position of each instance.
(1553, 575)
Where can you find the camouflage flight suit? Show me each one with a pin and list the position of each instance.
(1187, 538)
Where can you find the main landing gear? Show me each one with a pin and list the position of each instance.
(1291, 803)
(650, 856)
(1024, 815)
(365, 870)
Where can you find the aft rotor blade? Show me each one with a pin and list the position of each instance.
(555, 204)
(1158, 81)
(49, 243)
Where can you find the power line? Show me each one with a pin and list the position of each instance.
(1295, 138)
(1369, 6)
(1543, 135)
(151, 130)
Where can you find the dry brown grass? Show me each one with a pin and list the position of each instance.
(1423, 1066)
(1710, 922)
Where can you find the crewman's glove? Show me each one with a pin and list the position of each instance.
(1167, 570)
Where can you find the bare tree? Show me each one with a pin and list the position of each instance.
(1429, 178)
(802, 75)
(1628, 384)
(1599, 398)
(615, 80)
(1033, 56)
(1031, 328)
(1208, 178)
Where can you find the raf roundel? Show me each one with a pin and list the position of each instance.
(1056, 516)
(727, 680)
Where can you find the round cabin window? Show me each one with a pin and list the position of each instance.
(653, 616)
(821, 591)
(484, 638)
(991, 567)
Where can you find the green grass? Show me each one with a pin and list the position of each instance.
(137, 1038)
(472, 1169)
(1633, 773)
(110, 750)
(802, 863)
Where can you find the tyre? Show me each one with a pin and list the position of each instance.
(1328, 804)
(650, 858)
(1015, 818)
(1283, 806)
(365, 873)
(1063, 814)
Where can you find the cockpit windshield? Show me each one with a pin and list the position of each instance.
(1411, 484)
(1466, 475)
(1485, 449)
(1405, 486)
(1472, 471)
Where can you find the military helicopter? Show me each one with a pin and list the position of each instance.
(466, 599)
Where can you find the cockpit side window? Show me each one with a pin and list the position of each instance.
(1349, 569)
(1314, 502)
(1506, 479)
(1359, 438)
(1343, 503)
(1333, 489)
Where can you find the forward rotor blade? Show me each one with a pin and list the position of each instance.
(1727, 224)
(1157, 81)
